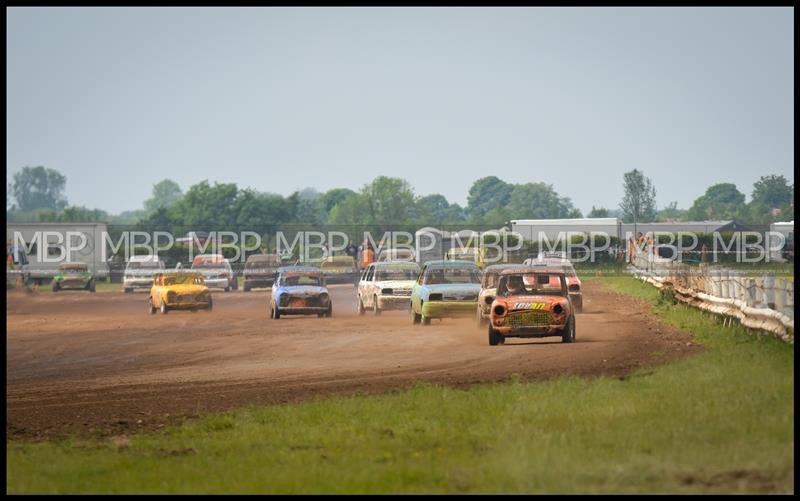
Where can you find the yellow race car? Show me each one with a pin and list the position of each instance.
(178, 290)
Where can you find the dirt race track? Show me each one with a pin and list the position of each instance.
(100, 364)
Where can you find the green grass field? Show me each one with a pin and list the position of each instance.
(719, 421)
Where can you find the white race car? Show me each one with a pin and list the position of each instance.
(386, 286)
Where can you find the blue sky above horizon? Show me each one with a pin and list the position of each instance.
(279, 99)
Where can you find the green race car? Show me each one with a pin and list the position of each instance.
(73, 276)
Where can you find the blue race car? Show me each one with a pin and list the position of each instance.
(300, 290)
(445, 289)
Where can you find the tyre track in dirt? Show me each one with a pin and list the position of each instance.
(99, 364)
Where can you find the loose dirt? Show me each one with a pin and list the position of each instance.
(100, 364)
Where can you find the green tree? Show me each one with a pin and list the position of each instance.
(389, 200)
(598, 212)
(351, 211)
(74, 214)
(306, 207)
(206, 206)
(773, 191)
(436, 210)
(773, 200)
(639, 202)
(164, 195)
(261, 211)
(720, 201)
(333, 197)
(539, 201)
(486, 194)
(671, 213)
(39, 188)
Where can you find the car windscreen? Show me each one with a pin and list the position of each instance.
(74, 270)
(183, 280)
(531, 283)
(344, 263)
(208, 264)
(454, 275)
(301, 280)
(261, 265)
(490, 279)
(144, 265)
(396, 274)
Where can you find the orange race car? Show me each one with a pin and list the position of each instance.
(532, 303)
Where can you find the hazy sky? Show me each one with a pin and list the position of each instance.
(284, 98)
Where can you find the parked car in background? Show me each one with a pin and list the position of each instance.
(178, 290)
(260, 270)
(340, 270)
(481, 256)
(300, 290)
(532, 303)
(445, 289)
(73, 276)
(574, 283)
(403, 255)
(139, 272)
(491, 275)
(216, 270)
(386, 286)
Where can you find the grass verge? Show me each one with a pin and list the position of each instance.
(720, 421)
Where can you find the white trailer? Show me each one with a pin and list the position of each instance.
(46, 245)
(787, 230)
(539, 229)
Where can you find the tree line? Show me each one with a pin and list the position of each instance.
(38, 194)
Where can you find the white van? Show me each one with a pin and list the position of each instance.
(139, 272)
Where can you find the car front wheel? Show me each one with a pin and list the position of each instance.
(495, 337)
(568, 334)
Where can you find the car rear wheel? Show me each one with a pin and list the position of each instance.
(128, 290)
(416, 318)
(150, 308)
(426, 320)
(227, 289)
(164, 308)
(210, 305)
(495, 337)
(56, 287)
(246, 288)
(375, 309)
(360, 307)
(91, 286)
(568, 334)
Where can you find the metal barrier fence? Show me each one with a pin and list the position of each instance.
(763, 303)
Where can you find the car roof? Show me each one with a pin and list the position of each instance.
(148, 258)
(543, 269)
(179, 272)
(441, 263)
(396, 264)
(262, 257)
(73, 265)
(505, 266)
(299, 269)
